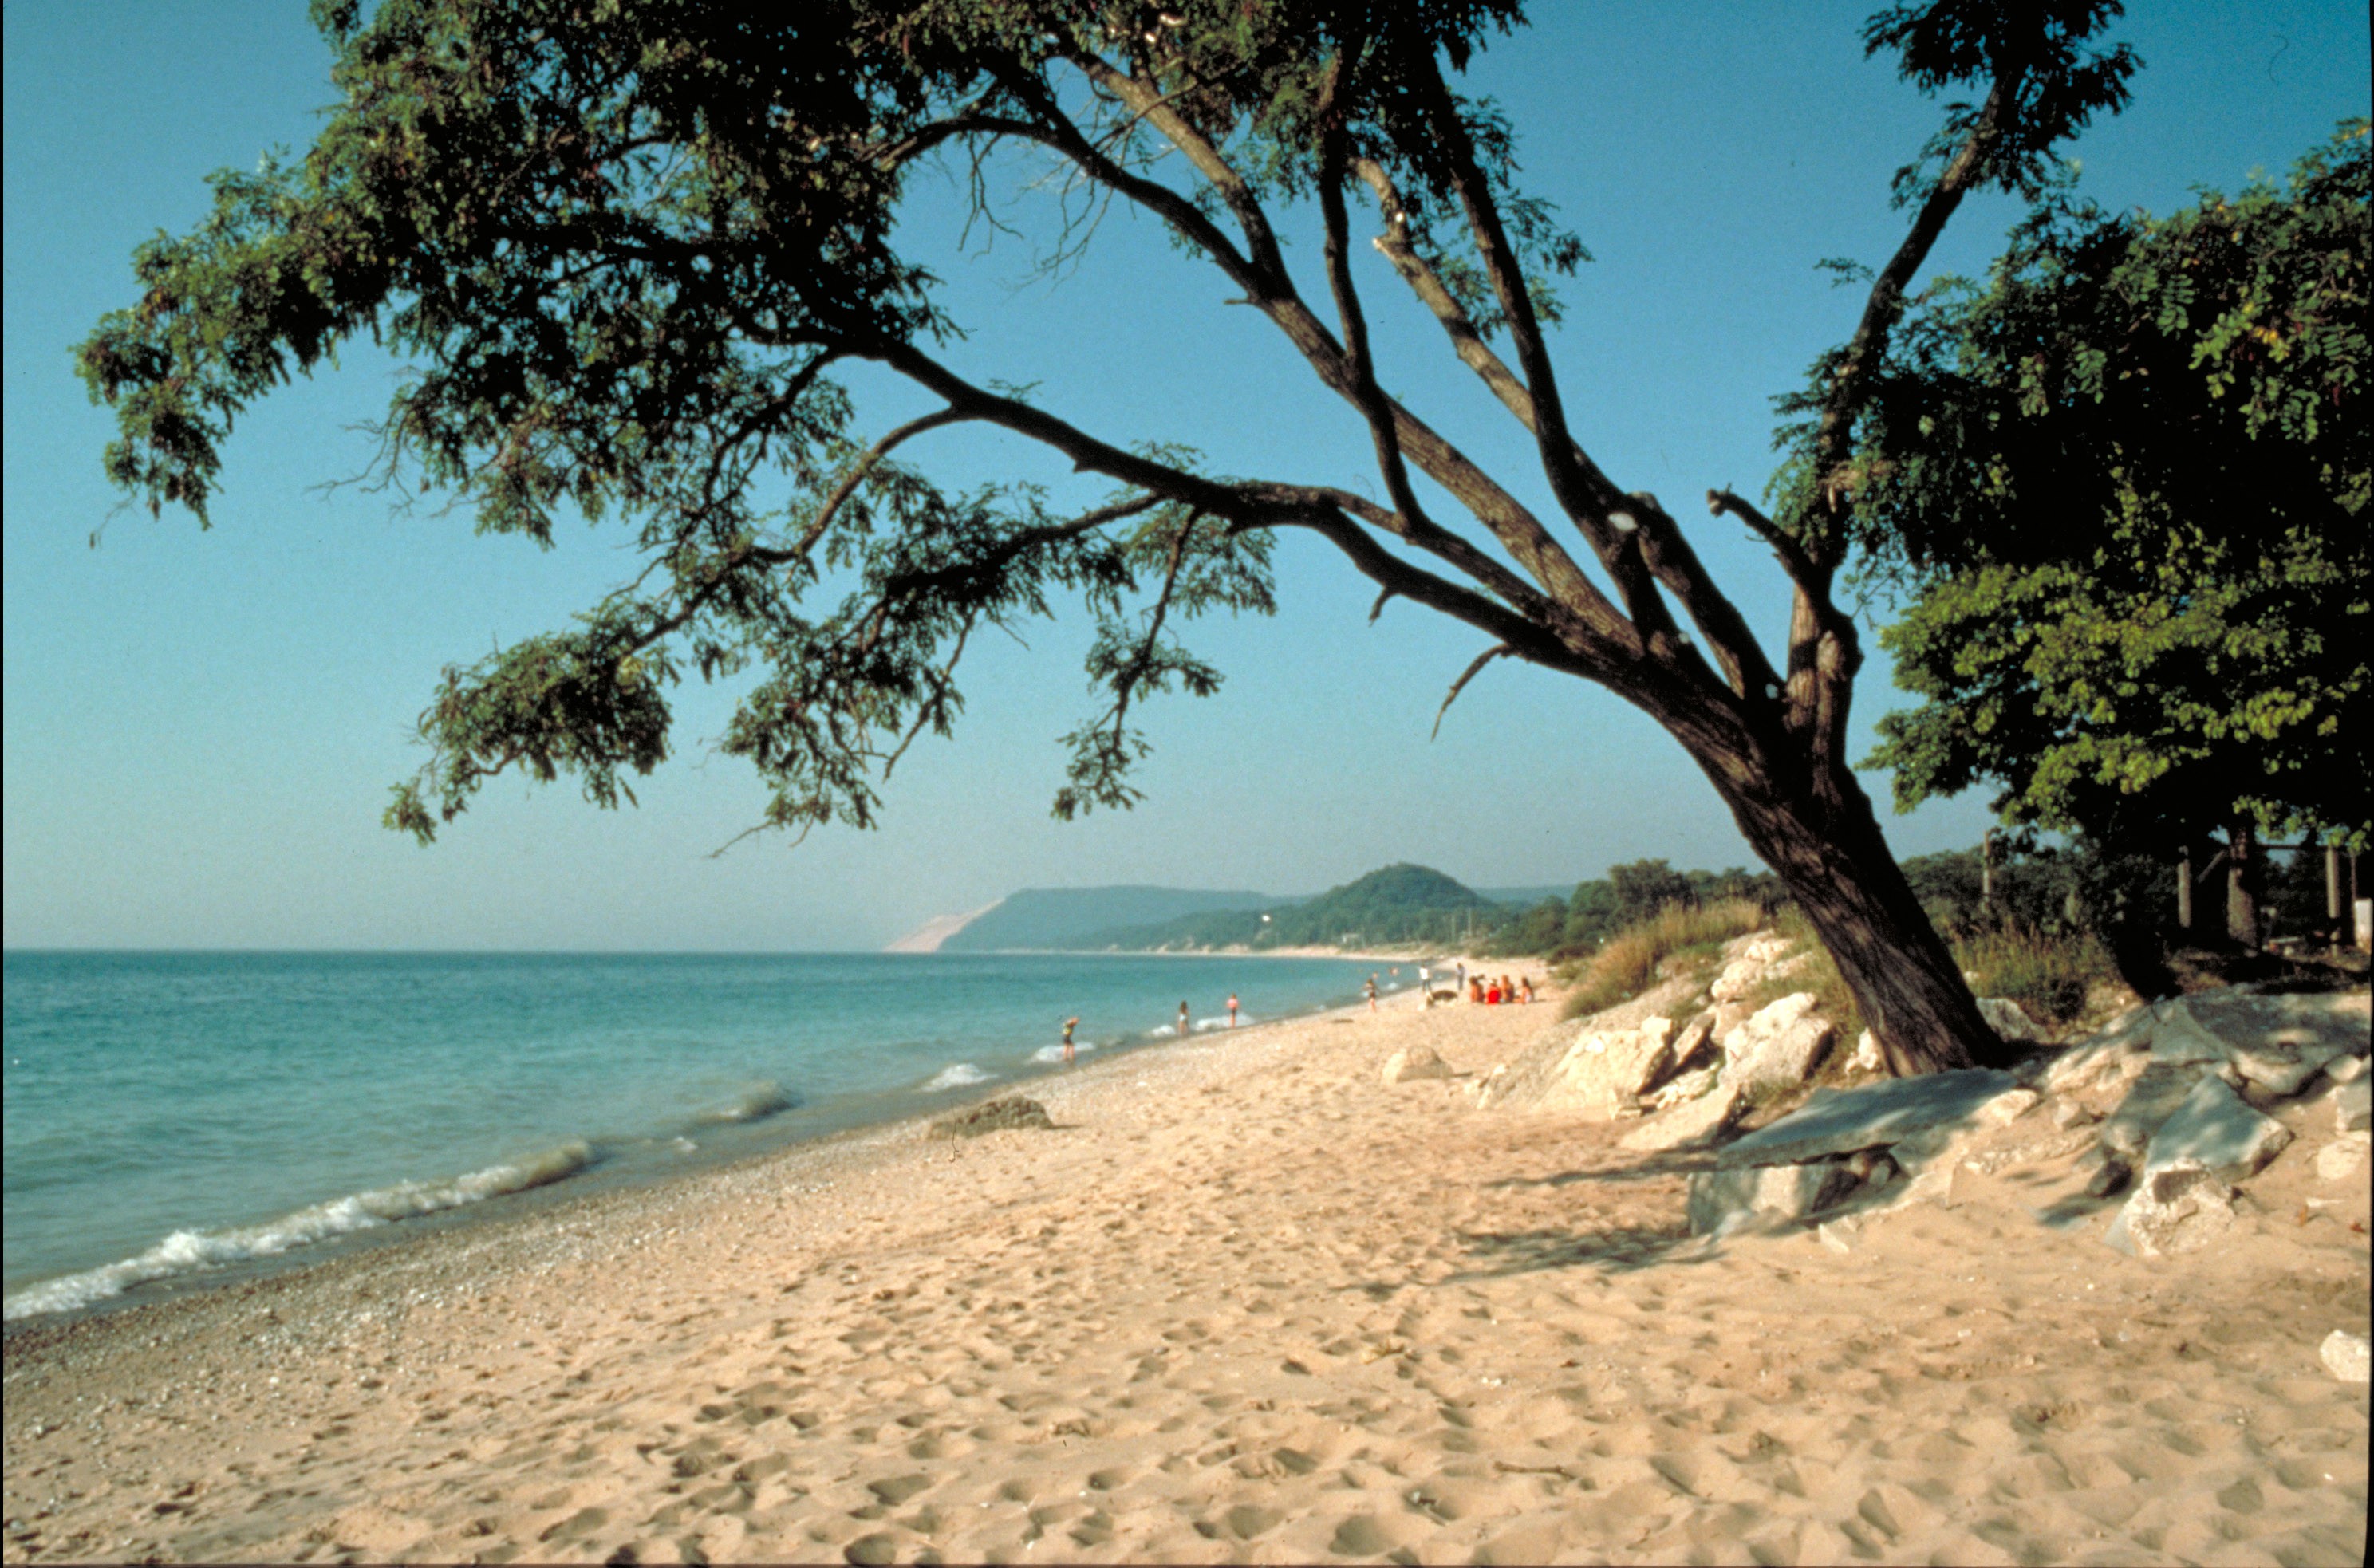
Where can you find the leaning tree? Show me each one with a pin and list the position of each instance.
(630, 249)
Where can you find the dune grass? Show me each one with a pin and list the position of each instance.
(1638, 956)
(2047, 975)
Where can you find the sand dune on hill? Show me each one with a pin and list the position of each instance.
(1245, 1303)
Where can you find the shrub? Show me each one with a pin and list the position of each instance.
(2049, 976)
(1632, 960)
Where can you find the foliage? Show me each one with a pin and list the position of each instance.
(2126, 481)
(1635, 892)
(1641, 954)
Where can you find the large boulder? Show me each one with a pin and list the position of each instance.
(1417, 1061)
(2214, 1129)
(1778, 1047)
(1604, 1071)
(1874, 1116)
(2180, 1208)
(1722, 1200)
(1694, 1124)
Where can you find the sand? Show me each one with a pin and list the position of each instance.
(1245, 1302)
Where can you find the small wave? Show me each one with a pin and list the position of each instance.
(755, 1103)
(958, 1075)
(188, 1252)
(1201, 1025)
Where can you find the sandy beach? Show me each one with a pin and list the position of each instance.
(1246, 1303)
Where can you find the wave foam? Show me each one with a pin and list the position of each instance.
(188, 1252)
(958, 1075)
(755, 1103)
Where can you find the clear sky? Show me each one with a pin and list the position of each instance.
(200, 728)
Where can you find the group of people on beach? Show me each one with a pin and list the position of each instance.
(1482, 990)
(1491, 993)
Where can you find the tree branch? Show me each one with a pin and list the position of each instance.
(1498, 651)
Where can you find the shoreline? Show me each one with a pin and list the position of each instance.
(1243, 1303)
(801, 1126)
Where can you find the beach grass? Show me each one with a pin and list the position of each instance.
(1641, 954)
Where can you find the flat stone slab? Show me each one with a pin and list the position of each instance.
(1722, 1200)
(2353, 1106)
(1840, 1122)
(2151, 1099)
(1693, 1124)
(2214, 1129)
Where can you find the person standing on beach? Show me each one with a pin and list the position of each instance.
(1182, 1020)
(1069, 1024)
(1372, 993)
(1232, 1010)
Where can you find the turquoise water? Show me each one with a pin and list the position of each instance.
(172, 1116)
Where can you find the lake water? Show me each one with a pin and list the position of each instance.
(170, 1116)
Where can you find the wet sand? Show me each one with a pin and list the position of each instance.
(1245, 1302)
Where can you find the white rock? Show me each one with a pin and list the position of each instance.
(2339, 1159)
(2150, 1100)
(1694, 1124)
(1867, 1058)
(2353, 1107)
(2346, 1355)
(1694, 1037)
(2008, 1107)
(2346, 1068)
(1766, 1022)
(2180, 1208)
(1688, 1086)
(1839, 1235)
(1604, 1071)
(2010, 1019)
(1417, 1061)
(2070, 1113)
(2214, 1129)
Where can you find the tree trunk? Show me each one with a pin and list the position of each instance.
(2243, 875)
(1824, 843)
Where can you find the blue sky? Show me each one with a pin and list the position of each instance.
(199, 728)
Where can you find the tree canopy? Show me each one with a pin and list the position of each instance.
(632, 251)
(2126, 480)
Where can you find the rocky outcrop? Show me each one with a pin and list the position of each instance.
(1777, 1049)
(2171, 1100)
